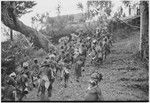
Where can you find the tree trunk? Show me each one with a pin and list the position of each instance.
(144, 46)
(121, 11)
(88, 10)
(138, 11)
(11, 34)
(8, 18)
(129, 10)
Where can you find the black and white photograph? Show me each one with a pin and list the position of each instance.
(75, 50)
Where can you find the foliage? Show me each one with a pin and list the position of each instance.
(38, 21)
(96, 7)
(63, 39)
(126, 3)
(58, 8)
(23, 7)
(99, 12)
(131, 4)
(53, 26)
(18, 48)
(20, 7)
(80, 6)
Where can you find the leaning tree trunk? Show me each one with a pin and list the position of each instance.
(144, 46)
(8, 18)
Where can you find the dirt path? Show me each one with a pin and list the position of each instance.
(123, 78)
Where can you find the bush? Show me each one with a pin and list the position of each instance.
(40, 53)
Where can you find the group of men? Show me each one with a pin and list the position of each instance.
(81, 46)
(17, 84)
(68, 55)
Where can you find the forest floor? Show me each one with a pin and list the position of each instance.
(124, 77)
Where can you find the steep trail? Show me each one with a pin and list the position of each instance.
(124, 79)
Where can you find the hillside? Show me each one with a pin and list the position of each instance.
(124, 77)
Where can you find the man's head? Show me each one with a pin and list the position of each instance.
(12, 75)
(52, 66)
(95, 78)
(25, 65)
(97, 30)
(94, 41)
(35, 61)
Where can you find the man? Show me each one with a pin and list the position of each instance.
(13, 90)
(43, 80)
(48, 73)
(51, 77)
(35, 72)
(51, 73)
(10, 64)
(9, 92)
(26, 69)
(43, 87)
(78, 65)
(22, 85)
(88, 45)
(12, 79)
(94, 92)
(83, 54)
(106, 47)
(97, 34)
(76, 52)
(110, 39)
(52, 56)
(99, 54)
(93, 51)
(65, 74)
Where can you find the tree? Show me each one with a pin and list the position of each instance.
(144, 25)
(99, 11)
(97, 7)
(10, 12)
(58, 8)
(131, 5)
(11, 34)
(144, 10)
(20, 8)
(127, 4)
(38, 21)
(80, 6)
(60, 21)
